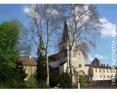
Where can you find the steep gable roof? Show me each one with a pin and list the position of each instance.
(96, 62)
(65, 32)
(27, 61)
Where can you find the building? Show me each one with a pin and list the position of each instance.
(101, 71)
(29, 63)
(61, 59)
(78, 66)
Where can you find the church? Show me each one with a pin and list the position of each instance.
(77, 61)
(61, 60)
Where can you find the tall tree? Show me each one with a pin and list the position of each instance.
(24, 44)
(9, 34)
(8, 50)
(84, 26)
(45, 24)
(82, 20)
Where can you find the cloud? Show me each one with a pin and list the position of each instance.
(32, 13)
(90, 58)
(100, 57)
(52, 11)
(108, 28)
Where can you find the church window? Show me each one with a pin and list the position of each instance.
(80, 65)
(107, 70)
(104, 76)
(95, 69)
(111, 70)
(100, 69)
(100, 76)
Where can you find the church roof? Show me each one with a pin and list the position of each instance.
(95, 62)
(54, 57)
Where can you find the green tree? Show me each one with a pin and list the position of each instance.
(54, 76)
(20, 75)
(8, 43)
(41, 65)
(65, 81)
(82, 80)
(32, 83)
(9, 34)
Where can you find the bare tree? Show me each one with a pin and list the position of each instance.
(84, 27)
(90, 73)
(82, 20)
(45, 25)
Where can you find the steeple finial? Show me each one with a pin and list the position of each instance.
(65, 31)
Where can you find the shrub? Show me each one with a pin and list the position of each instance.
(32, 83)
(65, 81)
(83, 80)
(54, 77)
(42, 84)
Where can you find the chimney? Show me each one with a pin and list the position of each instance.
(107, 65)
(104, 65)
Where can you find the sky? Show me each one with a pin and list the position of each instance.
(107, 15)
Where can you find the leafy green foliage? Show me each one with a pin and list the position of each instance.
(83, 80)
(32, 83)
(65, 81)
(10, 72)
(41, 74)
(20, 75)
(8, 43)
(54, 76)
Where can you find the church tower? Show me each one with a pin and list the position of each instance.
(77, 57)
(64, 49)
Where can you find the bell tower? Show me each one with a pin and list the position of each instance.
(64, 48)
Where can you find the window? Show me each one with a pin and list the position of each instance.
(103, 70)
(100, 69)
(65, 53)
(100, 76)
(111, 70)
(104, 76)
(95, 69)
(108, 76)
(80, 65)
(107, 69)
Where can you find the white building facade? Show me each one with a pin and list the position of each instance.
(100, 71)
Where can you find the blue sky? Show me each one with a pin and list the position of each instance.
(107, 14)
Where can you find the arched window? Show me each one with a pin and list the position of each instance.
(80, 65)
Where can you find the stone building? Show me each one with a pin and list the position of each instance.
(61, 59)
(29, 63)
(99, 71)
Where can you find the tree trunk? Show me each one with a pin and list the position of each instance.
(70, 64)
(78, 81)
(47, 65)
(47, 55)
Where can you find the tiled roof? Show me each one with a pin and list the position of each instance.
(27, 61)
(54, 57)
